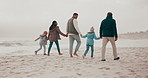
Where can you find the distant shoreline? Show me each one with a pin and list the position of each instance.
(134, 35)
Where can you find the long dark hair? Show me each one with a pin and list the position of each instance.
(53, 25)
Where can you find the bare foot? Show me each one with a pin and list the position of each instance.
(92, 58)
(75, 54)
(71, 55)
(35, 52)
(48, 54)
(84, 57)
(60, 53)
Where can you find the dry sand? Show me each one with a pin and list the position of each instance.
(133, 64)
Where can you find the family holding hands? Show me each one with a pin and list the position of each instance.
(108, 32)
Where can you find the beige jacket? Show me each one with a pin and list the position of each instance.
(54, 34)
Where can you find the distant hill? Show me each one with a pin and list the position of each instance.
(134, 35)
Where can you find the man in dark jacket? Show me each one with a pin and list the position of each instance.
(108, 32)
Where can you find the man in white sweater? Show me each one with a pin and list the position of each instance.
(73, 32)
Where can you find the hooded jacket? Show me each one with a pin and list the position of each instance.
(108, 28)
(54, 34)
(43, 39)
(90, 38)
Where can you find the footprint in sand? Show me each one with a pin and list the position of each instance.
(138, 76)
(123, 77)
(131, 70)
(64, 77)
(146, 77)
(30, 75)
(119, 73)
(105, 68)
(79, 74)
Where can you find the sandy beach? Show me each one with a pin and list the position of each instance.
(133, 64)
(24, 25)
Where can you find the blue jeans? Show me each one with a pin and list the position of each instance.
(57, 44)
(87, 48)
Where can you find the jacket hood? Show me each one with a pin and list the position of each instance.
(43, 35)
(92, 29)
(109, 17)
(54, 29)
(90, 32)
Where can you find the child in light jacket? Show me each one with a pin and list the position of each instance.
(42, 42)
(90, 42)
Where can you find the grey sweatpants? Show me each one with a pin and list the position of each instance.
(41, 48)
(72, 38)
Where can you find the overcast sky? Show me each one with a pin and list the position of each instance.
(28, 18)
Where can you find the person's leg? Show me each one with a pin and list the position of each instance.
(92, 51)
(112, 41)
(58, 47)
(104, 43)
(77, 38)
(44, 49)
(86, 51)
(38, 49)
(49, 48)
(71, 41)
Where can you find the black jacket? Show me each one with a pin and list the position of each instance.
(108, 28)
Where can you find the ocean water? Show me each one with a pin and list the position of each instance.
(27, 46)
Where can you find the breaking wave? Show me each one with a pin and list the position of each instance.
(9, 44)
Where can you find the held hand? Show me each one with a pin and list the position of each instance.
(80, 34)
(100, 37)
(116, 39)
(66, 35)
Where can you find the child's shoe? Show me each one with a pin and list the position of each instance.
(45, 54)
(35, 52)
(103, 60)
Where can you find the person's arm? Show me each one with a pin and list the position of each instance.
(115, 30)
(101, 26)
(37, 39)
(83, 36)
(95, 37)
(75, 22)
(59, 31)
(67, 29)
(48, 35)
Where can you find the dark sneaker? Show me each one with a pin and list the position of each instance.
(45, 54)
(117, 58)
(103, 60)
(35, 52)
